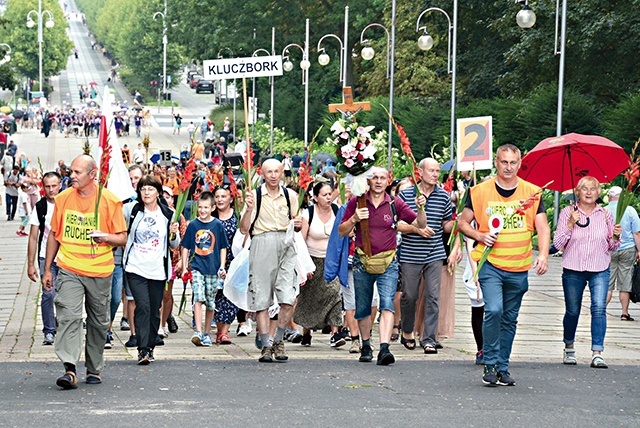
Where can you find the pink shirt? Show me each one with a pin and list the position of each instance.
(586, 249)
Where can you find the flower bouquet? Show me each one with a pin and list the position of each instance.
(631, 176)
(103, 173)
(355, 151)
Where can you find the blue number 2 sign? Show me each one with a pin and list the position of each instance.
(475, 143)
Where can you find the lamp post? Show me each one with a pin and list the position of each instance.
(368, 53)
(235, 93)
(49, 24)
(254, 98)
(425, 42)
(164, 49)
(287, 66)
(7, 53)
(324, 58)
(526, 18)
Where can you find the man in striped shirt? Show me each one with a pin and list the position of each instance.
(421, 255)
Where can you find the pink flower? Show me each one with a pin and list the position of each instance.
(349, 163)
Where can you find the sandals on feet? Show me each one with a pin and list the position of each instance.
(626, 317)
(410, 344)
(597, 362)
(223, 339)
(570, 357)
(69, 380)
(395, 336)
(93, 379)
(430, 349)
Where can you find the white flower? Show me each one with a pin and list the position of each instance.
(348, 151)
(344, 135)
(509, 211)
(369, 152)
(364, 131)
(349, 163)
(337, 127)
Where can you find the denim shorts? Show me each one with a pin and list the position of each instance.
(364, 282)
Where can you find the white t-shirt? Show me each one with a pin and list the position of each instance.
(23, 200)
(146, 257)
(33, 221)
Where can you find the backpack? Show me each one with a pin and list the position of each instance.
(179, 120)
(334, 207)
(259, 202)
(216, 152)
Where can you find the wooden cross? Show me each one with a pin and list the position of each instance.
(349, 108)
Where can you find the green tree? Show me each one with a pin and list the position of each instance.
(24, 41)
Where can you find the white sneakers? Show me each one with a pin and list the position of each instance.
(245, 329)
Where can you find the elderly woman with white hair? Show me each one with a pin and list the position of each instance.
(587, 234)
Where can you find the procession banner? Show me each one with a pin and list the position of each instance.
(475, 143)
(237, 68)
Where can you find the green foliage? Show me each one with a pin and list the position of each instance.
(282, 141)
(24, 41)
(621, 122)
(8, 79)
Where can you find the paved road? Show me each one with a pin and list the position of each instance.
(224, 385)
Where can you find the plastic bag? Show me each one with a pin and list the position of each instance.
(236, 284)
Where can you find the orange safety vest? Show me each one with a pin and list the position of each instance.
(512, 251)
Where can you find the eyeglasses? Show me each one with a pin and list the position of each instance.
(223, 187)
(148, 189)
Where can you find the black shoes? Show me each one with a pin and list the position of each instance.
(172, 324)
(132, 342)
(366, 355)
(385, 357)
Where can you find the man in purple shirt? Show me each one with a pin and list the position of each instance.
(383, 213)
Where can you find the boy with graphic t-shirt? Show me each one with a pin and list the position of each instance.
(205, 245)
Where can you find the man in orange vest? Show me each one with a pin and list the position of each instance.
(504, 277)
(85, 266)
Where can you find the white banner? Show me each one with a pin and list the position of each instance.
(236, 68)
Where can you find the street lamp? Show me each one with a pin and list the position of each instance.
(49, 24)
(164, 50)
(526, 18)
(304, 65)
(324, 58)
(235, 94)
(368, 53)
(7, 53)
(425, 42)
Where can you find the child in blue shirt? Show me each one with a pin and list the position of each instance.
(205, 246)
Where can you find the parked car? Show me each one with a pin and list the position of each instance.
(194, 80)
(34, 97)
(190, 74)
(204, 86)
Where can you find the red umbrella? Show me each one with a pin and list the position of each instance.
(93, 83)
(568, 158)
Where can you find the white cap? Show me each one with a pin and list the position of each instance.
(615, 191)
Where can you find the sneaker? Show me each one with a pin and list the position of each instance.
(278, 351)
(163, 332)
(287, 334)
(244, 330)
(385, 357)
(69, 380)
(337, 340)
(597, 362)
(197, 338)
(151, 357)
(206, 340)
(132, 342)
(159, 341)
(172, 324)
(258, 341)
(107, 343)
(266, 356)
(355, 347)
(21, 233)
(143, 357)
(570, 357)
(366, 354)
(505, 379)
(296, 337)
(479, 358)
(48, 339)
(124, 324)
(306, 340)
(490, 377)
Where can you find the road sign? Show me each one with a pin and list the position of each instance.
(475, 143)
(237, 68)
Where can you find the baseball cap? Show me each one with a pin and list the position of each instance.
(615, 191)
(167, 189)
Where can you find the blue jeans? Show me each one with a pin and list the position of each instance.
(573, 285)
(116, 290)
(46, 301)
(387, 283)
(503, 292)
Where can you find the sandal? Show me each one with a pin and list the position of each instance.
(570, 357)
(224, 339)
(395, 336)
(626, 317)
(93, 379)
(410, 344)
(69, 380)
(430, 349)
(597, 362)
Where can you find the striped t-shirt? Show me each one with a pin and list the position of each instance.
(416, 249)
